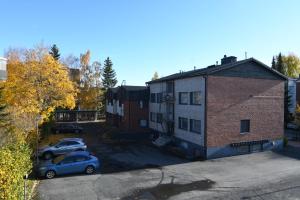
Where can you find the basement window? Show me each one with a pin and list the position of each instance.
(245, 126)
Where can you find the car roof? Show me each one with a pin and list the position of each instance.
(78, 153)
(72, 139)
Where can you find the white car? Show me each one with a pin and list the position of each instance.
(63, 146)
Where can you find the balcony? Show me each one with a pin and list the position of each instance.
(168, 98)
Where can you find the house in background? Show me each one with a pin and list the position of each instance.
(3, 70)
(221, 110)
(292, 83)
(127, 108)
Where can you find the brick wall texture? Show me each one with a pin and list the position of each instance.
(232, 99)
(132, 116)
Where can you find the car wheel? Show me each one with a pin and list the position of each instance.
(89, 170)
(47, 155)
(50, 174)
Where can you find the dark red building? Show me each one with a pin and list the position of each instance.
(127, 108)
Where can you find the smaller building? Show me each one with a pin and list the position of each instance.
(292, 95)
(127, 108)
(3, 73)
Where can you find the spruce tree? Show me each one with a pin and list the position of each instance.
(273, 63)
(109, 79)
(279, 64)
(54, 52)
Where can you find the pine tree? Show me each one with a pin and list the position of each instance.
(279, 66)
(109, 79)
(273, 63)
(54, 52)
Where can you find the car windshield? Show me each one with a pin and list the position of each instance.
(58, 159)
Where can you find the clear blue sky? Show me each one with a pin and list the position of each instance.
(143, 36)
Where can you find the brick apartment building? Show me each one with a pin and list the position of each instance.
(221, 110)
(127, 108)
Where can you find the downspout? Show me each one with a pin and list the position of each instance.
(129, 119)
(205, 118)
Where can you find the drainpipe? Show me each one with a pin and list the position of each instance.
(205, 118)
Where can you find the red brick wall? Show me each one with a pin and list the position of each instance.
(132, 114)
(231, 99)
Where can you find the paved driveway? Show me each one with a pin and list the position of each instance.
(136, 170)
(266, 175)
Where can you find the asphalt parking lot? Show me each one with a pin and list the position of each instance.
(139, 171)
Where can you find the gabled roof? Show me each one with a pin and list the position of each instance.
(128, 88)
(213, 69)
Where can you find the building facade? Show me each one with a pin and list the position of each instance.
(222, 110)
(292, 87)
(3, 70)
(127, 108)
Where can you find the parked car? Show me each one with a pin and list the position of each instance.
(74, 162)
(67, 128)
(292, 126)
(63, 146)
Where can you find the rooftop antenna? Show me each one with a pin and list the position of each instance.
(123, 82)
(245, 54)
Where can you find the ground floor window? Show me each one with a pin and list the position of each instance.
(245, 126)
(143, 123)
(153, 117)
(195, 126)
(183, 123)
(159, 117)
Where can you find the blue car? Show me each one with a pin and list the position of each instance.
(74, 162)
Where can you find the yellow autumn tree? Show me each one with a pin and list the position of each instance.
(37, 84)
(90, 90)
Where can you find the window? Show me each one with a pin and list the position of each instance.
(61, 144)
(245, 126)
(81, 158)
(143, 123)
(170, 87)
(183, 98)
(70, 143)
(141, 104)
(159, 97)
(152, 97)
(68, 160)
(195, 126)
(183, 123)
(152, 117)
(195, 98)
(159, 118)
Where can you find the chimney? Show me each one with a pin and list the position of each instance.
(227, 60)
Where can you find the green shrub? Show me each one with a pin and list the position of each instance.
(14, 164)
